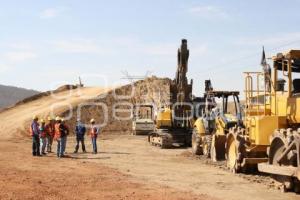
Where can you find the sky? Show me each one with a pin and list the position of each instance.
(44, 44)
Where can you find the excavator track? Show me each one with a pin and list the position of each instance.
(161, 138)
(166, 138)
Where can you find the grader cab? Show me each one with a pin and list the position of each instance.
(222, 110)
(271, 134)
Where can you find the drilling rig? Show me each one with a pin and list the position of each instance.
(174, 121)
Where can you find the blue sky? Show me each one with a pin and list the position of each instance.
(46, 43)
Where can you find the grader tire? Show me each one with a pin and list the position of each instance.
(213, 152)
(196, 143)
(232, 155)
(217, 150)
(207, 145)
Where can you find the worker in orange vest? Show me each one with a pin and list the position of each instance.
(50, 131)
(42, 137)
(35, 134)
(57, 136)
(94, 134)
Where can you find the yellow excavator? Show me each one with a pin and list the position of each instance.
(210, 130)
(173, 121)
(270, 135)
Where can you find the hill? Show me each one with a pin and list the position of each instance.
(10, 95)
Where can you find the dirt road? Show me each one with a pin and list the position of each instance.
(132, 155)
(25, 177)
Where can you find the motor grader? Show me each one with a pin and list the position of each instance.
(210, 130)
(270, 135)
(173, 121)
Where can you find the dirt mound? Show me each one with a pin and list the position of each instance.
(113, 110)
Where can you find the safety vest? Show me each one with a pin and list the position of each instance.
(57, 132)
(50, 129)
(93, 132)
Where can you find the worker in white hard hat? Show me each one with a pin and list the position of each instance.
(94, 134)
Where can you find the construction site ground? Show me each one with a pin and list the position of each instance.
(127, 167)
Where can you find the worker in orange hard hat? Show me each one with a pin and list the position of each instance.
(35, 134)
(50, 130)
(94, 134)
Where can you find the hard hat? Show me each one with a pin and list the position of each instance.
(51, 118)
(92, 120)
(35, 117)
(57, 118)
(42, 121)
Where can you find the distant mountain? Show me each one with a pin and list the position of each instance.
(10, 95)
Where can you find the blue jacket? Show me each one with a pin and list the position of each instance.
(80, 131)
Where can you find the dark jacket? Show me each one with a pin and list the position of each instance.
(80, 131)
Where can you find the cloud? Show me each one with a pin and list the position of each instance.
(208, 12)
(19, 56)
(50, 13)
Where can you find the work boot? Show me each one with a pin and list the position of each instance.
(75, 152)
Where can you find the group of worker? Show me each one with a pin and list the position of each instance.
(57, 130)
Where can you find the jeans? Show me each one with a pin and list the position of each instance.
(64, 144)
(49, 143)
(59, 148)
(94, 142)
(43, 144)
(35, 145)
(79, 140)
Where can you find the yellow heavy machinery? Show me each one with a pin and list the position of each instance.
(270, 134)
(210, 130)
(173, 121)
